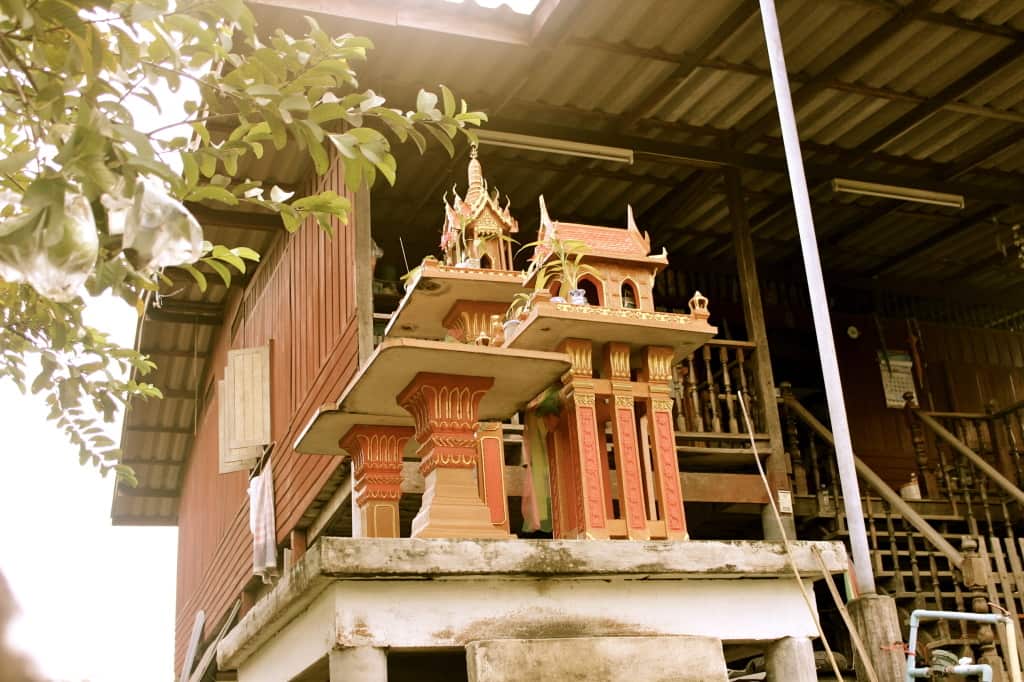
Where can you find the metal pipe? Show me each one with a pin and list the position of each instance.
(976, 459)
(982, 669)
(921, 615)
(884, 491)
(864, 575)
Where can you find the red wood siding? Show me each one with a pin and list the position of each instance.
(302, 300)
(966, 369)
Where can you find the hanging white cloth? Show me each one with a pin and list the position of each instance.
(262, 525)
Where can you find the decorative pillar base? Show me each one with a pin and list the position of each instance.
(452, 508)
(445, 409)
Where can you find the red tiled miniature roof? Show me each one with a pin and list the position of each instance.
(605, 242)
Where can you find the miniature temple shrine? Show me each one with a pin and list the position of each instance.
(475, 342)
(553, 386)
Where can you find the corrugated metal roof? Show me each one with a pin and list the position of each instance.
(640, 72)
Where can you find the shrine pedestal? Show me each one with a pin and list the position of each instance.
(445, 408)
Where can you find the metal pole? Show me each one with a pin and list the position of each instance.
(865, 579)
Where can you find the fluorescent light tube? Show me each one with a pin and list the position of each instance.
(874, 189)
(497, 138)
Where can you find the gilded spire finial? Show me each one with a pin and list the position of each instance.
(476, 177)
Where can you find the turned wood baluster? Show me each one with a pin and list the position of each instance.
(730, 399)
(967, 477)
(691, 391)
(716, 422)
(792, 435)
(928, 482)
(1013, 428)
(679, 397)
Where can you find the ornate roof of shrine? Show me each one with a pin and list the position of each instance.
(610, 243)
(480, 209)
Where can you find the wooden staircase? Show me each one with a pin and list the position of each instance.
(969, 511)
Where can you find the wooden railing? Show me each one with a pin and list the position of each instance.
(806, 434)
(968, 460)
(706, 387)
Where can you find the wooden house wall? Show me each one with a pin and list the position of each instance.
(966, 369)
(302, 301)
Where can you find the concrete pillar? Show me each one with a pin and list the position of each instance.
(876, 620)
(790, 659)
(609, 659)
(359, 664)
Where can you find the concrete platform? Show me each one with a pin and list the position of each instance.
(443, 594)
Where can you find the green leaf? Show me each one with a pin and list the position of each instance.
(220, 269)
(222, 253)
(449, 101)
(213, 192)
(16, 161)
(445, 141)
(246, 253)
(198, 276)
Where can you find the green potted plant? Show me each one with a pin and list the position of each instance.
(564, 264)
(516, 312)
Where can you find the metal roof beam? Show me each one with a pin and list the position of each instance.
(934, 240)
(797, 77)
(992, 149)
(951, 20)
(952, 92)
(854, 54)
(689, 63)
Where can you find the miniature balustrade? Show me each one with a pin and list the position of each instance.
(706, 384)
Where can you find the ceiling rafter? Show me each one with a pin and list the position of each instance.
(989, 151)
(935, 240)
(796, 77)
(861, 50)
(952, 92)
(688, 64)
(718, 157)
(572, 118)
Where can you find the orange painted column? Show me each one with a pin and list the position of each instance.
(377, 473)
(587, 442)
(444, 407)
(627, 447)
(491, 465)
(657, 371)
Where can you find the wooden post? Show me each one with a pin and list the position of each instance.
(778, 466)
(298, 543)
(362, 276)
